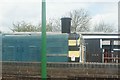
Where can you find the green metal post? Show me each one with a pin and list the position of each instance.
(43, 61)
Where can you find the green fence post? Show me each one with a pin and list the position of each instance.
(43, 60)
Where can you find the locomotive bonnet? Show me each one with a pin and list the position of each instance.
(26, 47)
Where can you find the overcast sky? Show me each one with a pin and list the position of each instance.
(12, 11)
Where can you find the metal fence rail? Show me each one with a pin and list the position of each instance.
(96, 70)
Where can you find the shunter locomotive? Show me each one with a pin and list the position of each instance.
(26, 47)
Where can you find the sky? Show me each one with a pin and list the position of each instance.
(13, 11)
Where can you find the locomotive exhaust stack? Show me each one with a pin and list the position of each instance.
(74, 44)
(66, 25)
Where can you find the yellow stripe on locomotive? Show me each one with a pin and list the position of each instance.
(72, 42)
(74, 47)
(74, 54)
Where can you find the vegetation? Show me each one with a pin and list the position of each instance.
(80, 23)
(103, 27)
(80, 20)
(24, 27)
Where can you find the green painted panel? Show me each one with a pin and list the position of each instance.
(28, 47)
